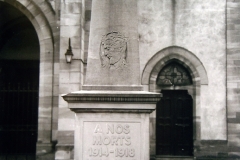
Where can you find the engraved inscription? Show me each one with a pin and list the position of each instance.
(113, 50)
(112, 141)
(118, 152)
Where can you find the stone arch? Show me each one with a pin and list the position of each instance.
(40, 20)
(183, 56)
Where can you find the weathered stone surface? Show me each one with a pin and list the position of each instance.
(188, 24)
(106, 17)
(70, 79)
(105, 129)
(112, 124)
(233, 78)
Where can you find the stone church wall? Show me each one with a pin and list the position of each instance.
(233, 77)
(199, 27)
(71, 75)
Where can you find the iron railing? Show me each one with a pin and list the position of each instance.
(18, 120)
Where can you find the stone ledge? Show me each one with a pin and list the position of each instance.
(80, 110)
(65, 146)
(213, 142)
(113, 88)
(102, 101)
(112, 96)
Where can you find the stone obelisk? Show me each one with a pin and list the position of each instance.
(113, 56)
(112, 111)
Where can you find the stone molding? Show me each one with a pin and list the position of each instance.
(112, 96)
(213, 142)
(112, 87)
(187, 59)
(103, 110)
(65, 146)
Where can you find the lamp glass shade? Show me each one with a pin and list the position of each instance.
(68, 57)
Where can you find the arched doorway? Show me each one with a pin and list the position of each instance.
(199, 77)
(19, 82)
(174, 112)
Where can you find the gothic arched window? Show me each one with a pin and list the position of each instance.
(174, 74)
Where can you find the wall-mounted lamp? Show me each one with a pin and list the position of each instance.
(69, 54)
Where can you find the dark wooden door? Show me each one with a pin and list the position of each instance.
(174, 124)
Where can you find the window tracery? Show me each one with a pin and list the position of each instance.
(174, 74)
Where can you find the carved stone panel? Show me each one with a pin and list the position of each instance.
(111, 140)
(113, 50)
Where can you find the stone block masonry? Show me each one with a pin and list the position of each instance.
(233, 78)
(230, 149)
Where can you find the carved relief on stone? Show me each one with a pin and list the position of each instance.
(113, 50)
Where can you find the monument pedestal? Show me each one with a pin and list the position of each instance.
(112, 125)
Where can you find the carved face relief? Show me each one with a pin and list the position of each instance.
(113, 50)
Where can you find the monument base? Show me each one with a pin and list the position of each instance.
(112, 125)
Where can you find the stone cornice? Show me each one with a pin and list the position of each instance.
(114, 110)
(112, 96)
